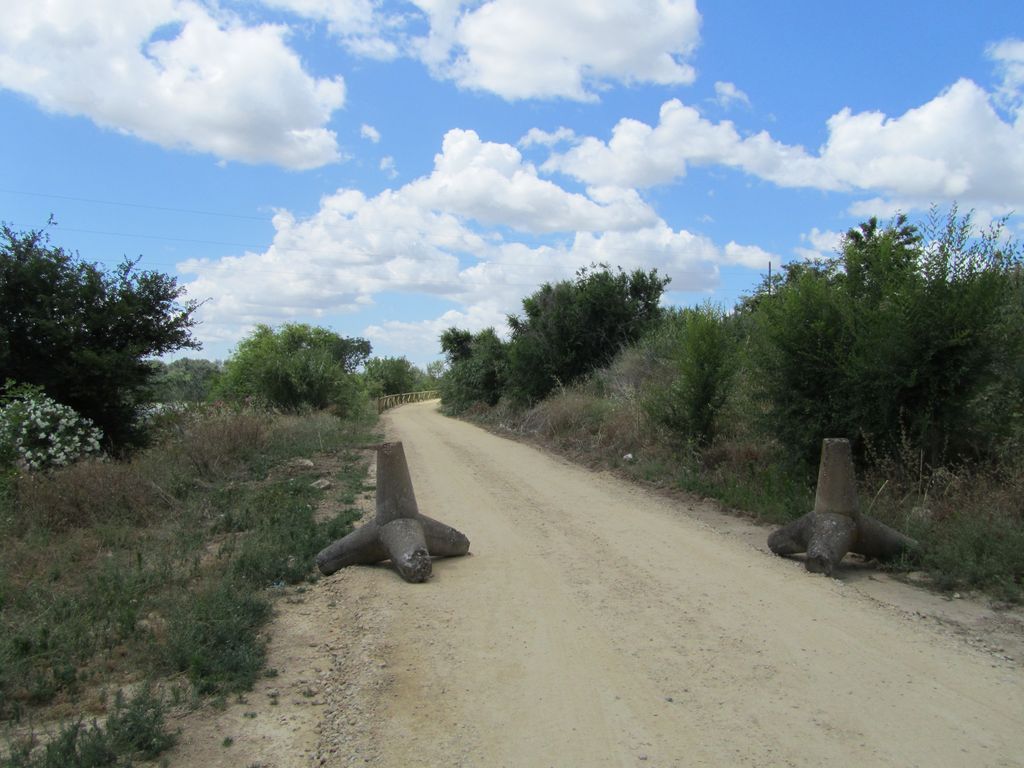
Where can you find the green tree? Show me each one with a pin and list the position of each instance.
(391, 376)
(894, 341)
(188, 380)
(477, 369)
(83, 334)
(296, 366)
(434, 374)
(573, 327)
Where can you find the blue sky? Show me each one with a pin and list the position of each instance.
(391, 169)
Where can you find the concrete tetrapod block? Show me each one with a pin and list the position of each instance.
(398, 532)
(835, 526)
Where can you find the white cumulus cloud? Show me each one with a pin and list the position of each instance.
(640, 155)
(954, 147)
(492, 184)
(1009, 57)
(359, 24)
(524, 49)
(174, 73)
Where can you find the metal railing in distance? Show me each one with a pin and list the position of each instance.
(390, 401)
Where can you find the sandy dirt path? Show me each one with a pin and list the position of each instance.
(597, 624)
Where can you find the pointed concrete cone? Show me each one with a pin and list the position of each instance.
(835, 525)
(398, 532)
(395, 497)
(837, 483)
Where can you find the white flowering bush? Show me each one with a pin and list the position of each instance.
(40, 433)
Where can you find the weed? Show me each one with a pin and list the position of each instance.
(212, 636)
(134, 729)
(282, 534)
(137, 726)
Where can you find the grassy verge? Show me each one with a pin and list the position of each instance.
(969, 519)
(154, 576)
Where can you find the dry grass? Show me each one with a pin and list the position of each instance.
(84, 494)
(215, 443)
(582, 425)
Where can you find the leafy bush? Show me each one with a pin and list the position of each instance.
(699, 350)
(477, 369)
(572, 328)
(84, 335)
(40, 433)
(896, 339)
(296, 366)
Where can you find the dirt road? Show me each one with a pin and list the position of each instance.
(597, 624)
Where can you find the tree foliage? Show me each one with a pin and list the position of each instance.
(84, 334)
(477, 368)
(895, 340)
(391, 376)
(296, 366)
(571, 328)
(188, 380)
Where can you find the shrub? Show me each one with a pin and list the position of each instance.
(699, 350)
(391, 376)
(572, 328)
(40, 433)
(898, 336)
(583, 425)
(134, 728)
(84, 335)
(296, 366)
(188, 380)
(477, 369)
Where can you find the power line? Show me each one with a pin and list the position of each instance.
(142, 206)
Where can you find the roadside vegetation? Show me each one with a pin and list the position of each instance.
(909, 342)
(143, 544)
